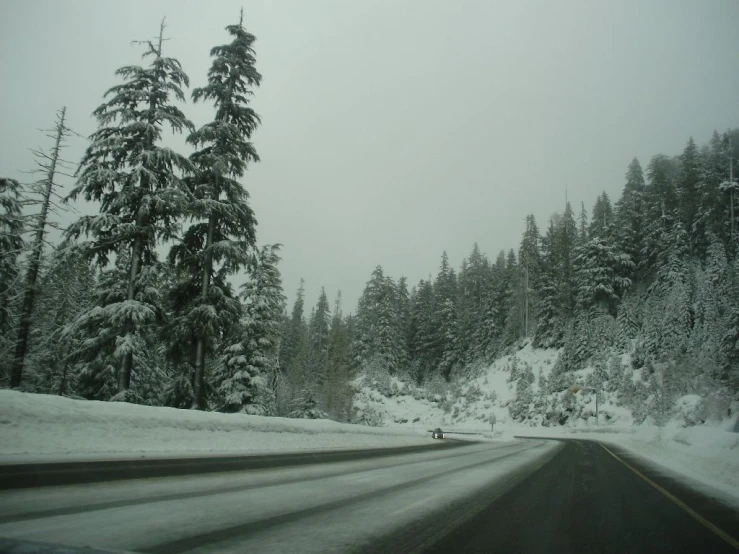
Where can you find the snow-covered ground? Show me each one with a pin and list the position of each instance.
(51, 427)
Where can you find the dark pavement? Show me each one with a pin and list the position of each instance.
(586, 500)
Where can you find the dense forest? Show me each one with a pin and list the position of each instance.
(136, 303)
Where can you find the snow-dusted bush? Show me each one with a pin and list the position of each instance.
(306, 407)
(367, 415)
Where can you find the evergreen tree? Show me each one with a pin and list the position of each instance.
(403, 313)
(424, 338)
(445, 318)
(661, 192)
(668, 310)
(337, 391)
(567, 241)
(730, 188)
(660, 208)
(101, 342)
(688, 185)
(249, 364)
(188, 317)
(730, 349)
(501, 286)
(630, 218)
(599, 281)
(64, 289)
(628, 319)
(529, 259)
(601, 225)
(711, 215)
(520, 408)
(223, 228)
(305, 406)
(141, 197)
(295, 328)
(378, 337)
(294, 352)
(513, 303)
(11, 243)
(472, 284)
(582, 232)
(550, 326)
(712, 304)
(318, 333)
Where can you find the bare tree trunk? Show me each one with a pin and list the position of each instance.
(198, 382)
(29, 296)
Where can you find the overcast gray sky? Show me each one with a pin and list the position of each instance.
(394, 130)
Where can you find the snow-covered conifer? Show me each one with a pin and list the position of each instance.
(248, 365)
(137, 183)
(218, 242)
(11, 242)
(629, 217)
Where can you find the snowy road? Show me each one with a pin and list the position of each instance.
(394, 503)
(600, 499)
(532, 495)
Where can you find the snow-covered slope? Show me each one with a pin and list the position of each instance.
(468, 404)
(36, 425)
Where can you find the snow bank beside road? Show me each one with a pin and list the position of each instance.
(36, 426)
(707, 454)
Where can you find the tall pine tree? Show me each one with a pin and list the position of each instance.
(136, 181)
(223, 228)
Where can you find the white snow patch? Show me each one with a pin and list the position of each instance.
(34, 426)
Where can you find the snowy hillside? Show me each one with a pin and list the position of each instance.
(521, 389)
(509, 389)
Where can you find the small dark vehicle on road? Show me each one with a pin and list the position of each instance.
(438, 434)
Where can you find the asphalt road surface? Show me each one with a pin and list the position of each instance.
(526, 496)
(592, 498)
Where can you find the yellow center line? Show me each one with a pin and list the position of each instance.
(723, 534)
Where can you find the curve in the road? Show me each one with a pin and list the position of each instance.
(587, 499)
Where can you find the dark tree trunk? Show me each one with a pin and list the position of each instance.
(124, 377)
(198, 400)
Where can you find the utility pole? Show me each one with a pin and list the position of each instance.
(34, 262)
